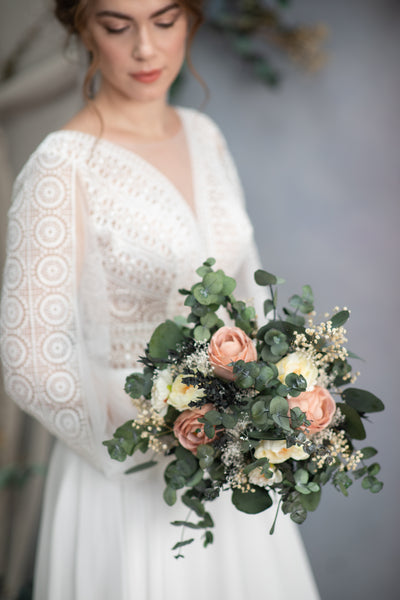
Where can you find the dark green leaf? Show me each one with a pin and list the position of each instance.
(181, 544)
(353, 424)
(339, 318)
(268, 306)
(264, 278)
(362, 401)
(195, 504)
(208, 538)
(376, 487)
(195, 480)
(169, 495)
(251, 502)
(374, 469)
(141, 467)
(311, 501)
(368, 452)
(166, 337)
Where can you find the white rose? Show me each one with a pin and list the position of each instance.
(301, 364)
(257, 478)
(161, 390)
(182, 395)
(277, 452)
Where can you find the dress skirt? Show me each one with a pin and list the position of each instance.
(104, 539)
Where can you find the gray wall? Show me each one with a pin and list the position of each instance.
(319, 161)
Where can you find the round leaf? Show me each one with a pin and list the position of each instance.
(362, 401)
(264, 278)
(165, 338)
(353, 424)
(251, 502)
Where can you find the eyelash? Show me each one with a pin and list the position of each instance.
(162, 25)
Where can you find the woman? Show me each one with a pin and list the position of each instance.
(110, 217)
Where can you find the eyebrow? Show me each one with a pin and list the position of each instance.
(118, 15)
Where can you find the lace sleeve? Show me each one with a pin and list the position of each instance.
(40, 338)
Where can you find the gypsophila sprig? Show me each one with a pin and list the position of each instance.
(250, 410)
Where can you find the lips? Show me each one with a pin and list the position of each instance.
(147, 76)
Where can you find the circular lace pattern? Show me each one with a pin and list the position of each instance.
(14, 312)
(49, 192)
(19, 388)
(68, 422)
(57, 348)
(13, 273)
(52, 270)
(15, 352)
(14, 237)
(50, 232)
(61, 387)
(54, 309)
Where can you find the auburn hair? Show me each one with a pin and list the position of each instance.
(73, 15)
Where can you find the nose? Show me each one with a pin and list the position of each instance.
(144, 46)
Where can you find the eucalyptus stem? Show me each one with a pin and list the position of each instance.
(272, 530)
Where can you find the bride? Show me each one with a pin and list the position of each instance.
(111, 215)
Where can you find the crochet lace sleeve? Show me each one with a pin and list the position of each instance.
(42, 346)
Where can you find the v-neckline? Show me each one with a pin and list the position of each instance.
(192, 208)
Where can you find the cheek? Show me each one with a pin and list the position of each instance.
(175, 47)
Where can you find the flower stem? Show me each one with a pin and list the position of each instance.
(271, 531)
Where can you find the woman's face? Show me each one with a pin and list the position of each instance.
(140, 45)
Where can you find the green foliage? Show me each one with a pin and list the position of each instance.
(165, 338)
(250, 409)
(253, 502)
(362, 401)
(141, 467)
(340, 318)
(16, 476)
(353, 424)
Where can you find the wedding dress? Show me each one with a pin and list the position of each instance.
(100, 239)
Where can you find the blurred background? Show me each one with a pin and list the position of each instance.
(318, 156)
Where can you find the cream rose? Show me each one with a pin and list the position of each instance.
(257, 478)
(188, 430)
(227, 345)
(277, 452)
(182, 395)
(160, 391)
(301, 364)
(318, 405)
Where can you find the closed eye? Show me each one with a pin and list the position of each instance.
(111, 30)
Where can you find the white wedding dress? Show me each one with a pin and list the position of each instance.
(99, 241)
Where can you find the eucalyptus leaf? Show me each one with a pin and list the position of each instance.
(353, 424)
(251, 502)
(368, 452)
(169, 495)
(183, 543)
(264, 278)
(311, 501)
(166, 337)
(340, 318)
(141, 467)
(362, 401)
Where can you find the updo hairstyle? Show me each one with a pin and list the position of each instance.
(73, 14)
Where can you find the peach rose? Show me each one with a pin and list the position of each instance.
(230, 344)
(188, 430)
(318, 405)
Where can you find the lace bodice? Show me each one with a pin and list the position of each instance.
(99, 241)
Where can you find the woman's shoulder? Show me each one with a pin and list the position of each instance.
(202, 122)
(60, 148)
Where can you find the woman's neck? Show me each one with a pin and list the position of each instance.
(151, 120)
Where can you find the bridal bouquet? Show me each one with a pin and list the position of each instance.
(256, 411)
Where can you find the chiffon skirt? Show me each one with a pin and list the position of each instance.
(110, 538)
